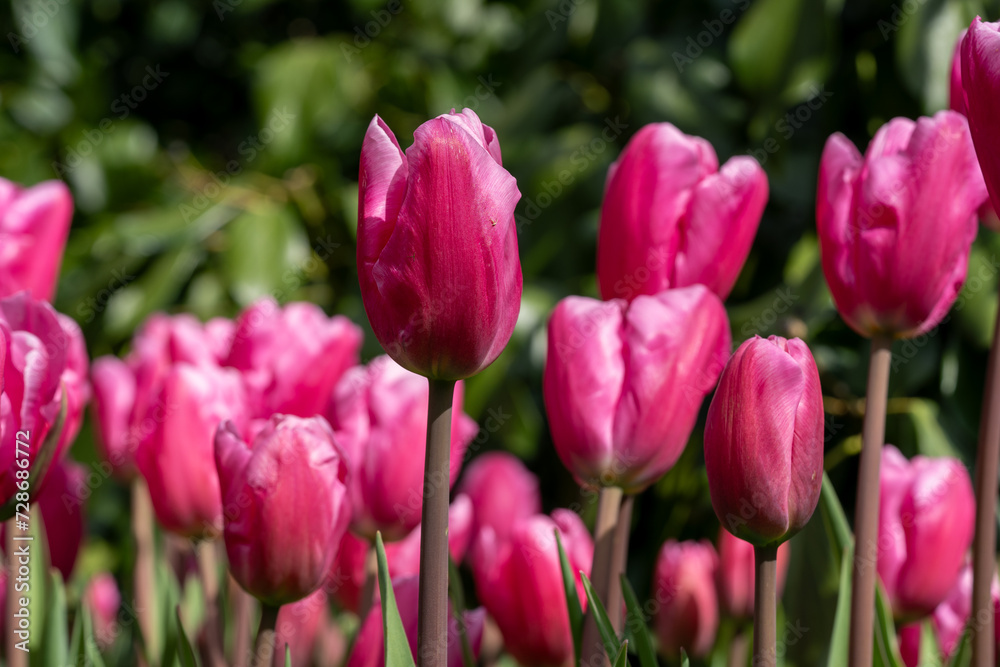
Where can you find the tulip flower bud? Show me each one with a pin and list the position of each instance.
(114, 400)
(61, 503)
(764, 441)
(437, 245)
(684, 589)
(926, 524)
(672, 218)
(895, 226)
(103, 600)
(624, 381)
(520, 584)
(735, 578)
(379, 413)
(177, 460)
(502, 490)
(286, 504)
(981, 82)
(34, 225)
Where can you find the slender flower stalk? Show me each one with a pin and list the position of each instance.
(266, 635)
(765, 606)
(242, 605)
(620, 562)
(605, 577)
(145, 566)
(208, 571)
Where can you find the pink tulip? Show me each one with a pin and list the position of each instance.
(437, 245)
(684, 589)
(981, 81)
(114, 400)
(286, 506)
(764, 441)
(177, 460)
(926, 517)
(61, 503)
(520, 584)
(104, 600)
(34, 225)
(735, 577)
(292, 357)
(368, 650)
(379, 413)
(624, 381)
(672, 218)
(502, 490)
(896, 225)
(299, 626)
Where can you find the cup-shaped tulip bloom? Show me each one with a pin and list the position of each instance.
(502, 490)
(292, 357)
(369, 647)
(113, 404)
(926, 524)
(437, 245)
(684, 589)
(764, 440)
(981, 82)
(735, 577)
(178, 460)
(672, 218)
(103, 599)
(624, 381)
(896, 225)
(61, 503)
(520, 584)
(379, 413)
(34, 226)
(287, 505)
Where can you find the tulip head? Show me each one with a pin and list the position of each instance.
(114, 400)
(764, 441)
(502, 490)
(981, 83)
(437, 245)
(672, 218)
(61, 503)
(34, 226)
(287, 505)
(624, 381)
(684, 585)
(103, 599)
(736, 575)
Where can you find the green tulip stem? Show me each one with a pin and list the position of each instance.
(738, 649)
(432, 619)
(144, 572)
(242, 604)
(266, 635)
(608, 509)
(866, 509)
(208, 570)
(765, 606)
(620, 563)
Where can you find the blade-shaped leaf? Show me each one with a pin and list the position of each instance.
(572, 599)
(184, 650)
(55, 649)
(635, 626)
(962, 655)
(89, 644)
(684, 659)
(930, 652)
(397, 648)
(596, 607)
(840, 637)
(886, 651)
(457, 594)
(621, 660)
(834, 518)
(288, 656)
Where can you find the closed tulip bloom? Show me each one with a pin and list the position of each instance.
(286, 504)
(926, 523)
(502, 490)
(764, 441)
(896, 225)
(34, 226)
(114, 400)
(684, 588)
(672, 218)
(624, 381)
(379, 413)
(981, 81)
(292, 357)
(520, 584)
(437, 245)
(103, 599)
(61, 503)
(178, 460)
(735, 578)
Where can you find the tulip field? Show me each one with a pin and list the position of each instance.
(575, 333)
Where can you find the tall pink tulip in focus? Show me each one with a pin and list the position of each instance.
(672, 218)
(981, 81)
(379, 413)
(286, 506)
(926, 518)
(896, 224)
(520, 584)
(684, 590)
(502, 490)
(34, 226)
(624, 381)
(735, 576)
(437, 245)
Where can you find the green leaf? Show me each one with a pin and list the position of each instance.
(930, 652)
(89, 643)
(55, 648)
(839, 530)
(962, 657)
(840, 637)
(596, 607)
(40, 463)
(288, 656)
(886, 651)
(635, 626)
(186, 653)
(684, 659)
(397, 647)
(76, 642)
(621, 660)
(457, 595)
(572, 599)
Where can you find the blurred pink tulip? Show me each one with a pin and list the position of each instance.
(103, 599)
(981, 82)
(286, 506)
(520, 584)
(502, 490)
(926, 517)
(684, 589)
(896, 225)
(34, 226)
(624, 382)
(379, 413)
(672, 218)
(299, 626)
(292, 357)
(61, 503)
(437, 245)
(114, 401)
(764, 441)
(735, 577)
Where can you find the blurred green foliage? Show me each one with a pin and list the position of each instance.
(212, 147)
